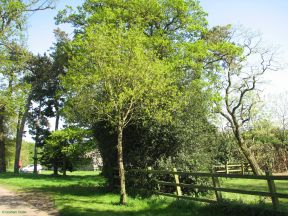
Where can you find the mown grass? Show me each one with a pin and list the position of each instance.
(85, 193)
(255, 185)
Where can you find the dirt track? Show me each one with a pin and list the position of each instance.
(14, 204)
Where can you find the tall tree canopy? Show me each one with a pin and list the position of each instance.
(115, 78)
(135, 60)
(13, 57)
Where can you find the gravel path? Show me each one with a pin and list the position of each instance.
(13, 204)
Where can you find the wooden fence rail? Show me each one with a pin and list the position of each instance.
(232, 168)
(272, 193)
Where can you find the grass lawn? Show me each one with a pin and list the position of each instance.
(84, 193)
(255, 185)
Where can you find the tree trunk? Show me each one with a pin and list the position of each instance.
(55, 170)
(19, 135)
(245, 150)
(64, 167)
(251, 159)
(35, 171)
(2, 142)
(123, 195)
(57, 118)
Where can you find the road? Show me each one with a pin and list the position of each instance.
(13, 204)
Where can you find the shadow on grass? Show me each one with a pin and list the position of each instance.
(154, 207)
(179, 208)
(74, 190)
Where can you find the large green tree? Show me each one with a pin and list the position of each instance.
(137, 60)
(122, 80)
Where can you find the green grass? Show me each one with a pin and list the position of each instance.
(255, 185)
(84, 193)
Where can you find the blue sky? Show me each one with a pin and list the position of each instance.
(265, 16)
(41, 26)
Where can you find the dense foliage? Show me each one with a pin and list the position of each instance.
(65, 148)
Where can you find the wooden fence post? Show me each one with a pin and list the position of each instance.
(272, 190)
(242, 169)
(216, 185)
(226, 167)
(178, 188)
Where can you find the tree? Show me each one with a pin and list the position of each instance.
(12, 91)
(2, 142)
(134, 60)
(26, 8)
(241, 76)
(118, 84)
(64, 148)
(40, 77)
(39, 129)
(10, 23)
(277, 106)
(33, 77)
(44, 76)
(280, 113)
(264, 138)
(13, 17)
(59, 57)
(13, 14)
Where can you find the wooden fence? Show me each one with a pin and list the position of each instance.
(272, 193)
(243, 168)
